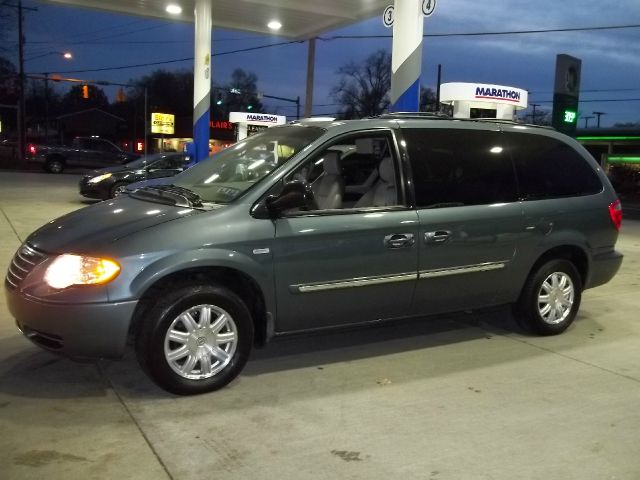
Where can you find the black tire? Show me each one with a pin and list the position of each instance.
(54, 165)
(151, 339)
(113, 191)
(528, 310)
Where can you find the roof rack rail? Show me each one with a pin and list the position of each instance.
(432, 115)
(507, 122)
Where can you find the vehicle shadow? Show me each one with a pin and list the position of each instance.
(416, 344)
(320, 351)
(34, 373)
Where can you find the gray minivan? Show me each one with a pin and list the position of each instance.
(317, 225)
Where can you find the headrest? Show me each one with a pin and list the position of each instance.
(331, 163)
(386, 170)
(364, 146)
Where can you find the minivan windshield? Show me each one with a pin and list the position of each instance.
(231, 172)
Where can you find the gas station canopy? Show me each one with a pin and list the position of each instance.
(300, 19)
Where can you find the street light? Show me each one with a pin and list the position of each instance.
(67, 55)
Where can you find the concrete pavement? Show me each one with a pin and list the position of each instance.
(455, 397)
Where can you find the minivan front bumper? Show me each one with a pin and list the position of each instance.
(90, 330)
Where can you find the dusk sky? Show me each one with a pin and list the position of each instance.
(611, 58)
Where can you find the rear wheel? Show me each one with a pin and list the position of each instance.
(550, 299)
(195, 339)
(54, 165)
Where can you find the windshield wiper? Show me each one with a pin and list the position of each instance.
(169, 195)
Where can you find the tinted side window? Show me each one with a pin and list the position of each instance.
(453, 168)
(549, 168)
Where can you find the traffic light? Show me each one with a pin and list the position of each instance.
(85, 91)
(250, 107)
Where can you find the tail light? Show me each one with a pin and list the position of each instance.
(32, 149)
(615, 212)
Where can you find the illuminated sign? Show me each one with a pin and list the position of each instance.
(162, 123)
(570, 116)
(221, 124)
(257, 118)
(492, 93)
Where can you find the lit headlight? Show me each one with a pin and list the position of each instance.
(100, 178)
(67, 270)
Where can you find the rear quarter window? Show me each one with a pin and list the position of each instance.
(549, 168)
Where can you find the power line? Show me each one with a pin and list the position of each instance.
(141, 42)
(595, 90)
(479, 34)
(177, 60)
(599, 100)
(64, 38)
(83, 42)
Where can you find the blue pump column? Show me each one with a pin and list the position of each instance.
(406, 59)
(202, 79)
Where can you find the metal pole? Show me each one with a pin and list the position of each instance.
(46, 108)
(533, 114)
(599, 114)
(21, 110)
(406, 56)
(438, 83)
(298, 107)
(145, 120)
(311, 60)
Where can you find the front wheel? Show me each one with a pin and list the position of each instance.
(550, 299)
(195, 339)
(117, 190)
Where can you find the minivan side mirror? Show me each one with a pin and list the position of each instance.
(294, 194)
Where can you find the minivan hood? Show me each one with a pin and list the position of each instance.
(100, 224)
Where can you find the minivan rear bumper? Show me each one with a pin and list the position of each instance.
(603, 268)
(91, 330)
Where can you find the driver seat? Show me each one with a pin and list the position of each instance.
(328, 190)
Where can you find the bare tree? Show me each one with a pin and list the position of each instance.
(7, 29)
(364, 87)
(427, 100)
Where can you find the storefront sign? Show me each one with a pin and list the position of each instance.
(257, 118)
(221, 124)
(163, 123)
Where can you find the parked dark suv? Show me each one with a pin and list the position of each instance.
(319, 225)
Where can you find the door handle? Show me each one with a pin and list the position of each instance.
(399, 240)
(439, 236)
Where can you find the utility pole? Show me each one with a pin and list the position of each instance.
(21, 103)
(438, 82)
(599, 114)
(533, 114)
(586, 120)
(311, 60)
(46, 108)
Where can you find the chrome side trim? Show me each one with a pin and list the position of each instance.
(443, 272)
(354, 282)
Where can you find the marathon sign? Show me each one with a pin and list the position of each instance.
(264, 119)
(492, 93)
(474, 93)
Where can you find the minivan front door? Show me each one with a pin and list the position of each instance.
(344, 269)
(353, 257)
